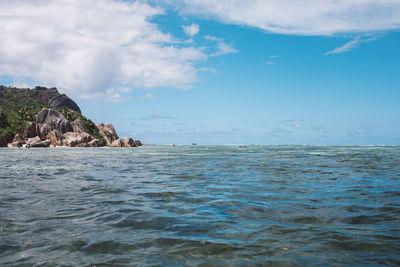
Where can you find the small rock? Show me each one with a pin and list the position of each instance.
(15, 144)
(19, 138)
(74, 139)
(137, 143)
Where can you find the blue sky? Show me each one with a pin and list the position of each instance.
(193, 71)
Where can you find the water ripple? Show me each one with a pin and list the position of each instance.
(200, 206)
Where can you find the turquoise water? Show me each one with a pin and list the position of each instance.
(200, 206)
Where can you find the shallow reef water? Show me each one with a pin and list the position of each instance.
(200, 206)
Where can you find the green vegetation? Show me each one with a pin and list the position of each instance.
(10, 97)
(18, 110)
(16, 119)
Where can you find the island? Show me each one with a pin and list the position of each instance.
(42, 117)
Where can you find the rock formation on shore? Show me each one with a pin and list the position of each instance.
(53, 129)
(27, 121)
(49, 120)
(108, 132)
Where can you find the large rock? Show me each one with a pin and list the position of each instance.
(95, 143)
(108, 132)
(31, 130)
(37, 142)
(115, 143)
(51, 97)
(3, 142)
(32, 140)
(126, 142)
(123, 142)
(19, 138)
(56, 138)
(49, 120)
(79, 127)
(75, 139)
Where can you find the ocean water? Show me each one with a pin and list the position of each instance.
(200, 206)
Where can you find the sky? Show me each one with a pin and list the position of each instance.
(215, 72)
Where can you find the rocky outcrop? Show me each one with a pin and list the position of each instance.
(56, 138)
(49, 120)
(108, 132)
(19, 138)
(74, 139)
(31, 130)
(32, 140)
(50, 127)
(137, 143)
(115, 143)
(37, 142)
(95, 143)
(15, 144)
(18, 141)
(126, 142)
(51, 97)
(79, 127)
(3, 142)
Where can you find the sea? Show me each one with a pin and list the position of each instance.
(200, 206)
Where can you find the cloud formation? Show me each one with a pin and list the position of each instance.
(145, 96)
(92, 48)
(304, 17)
(222, 47)
(350, 45)
(191, 30)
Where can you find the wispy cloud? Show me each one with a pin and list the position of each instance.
(351, 45)
(222, 47)
(145, 96)
(309, 17)
(270, 63)
(191, 30)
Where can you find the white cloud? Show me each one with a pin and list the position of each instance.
(92, 48)
(270, 63)
(191, 30)
(350, 45)
(222, 47)
(303, 17)
(145, 96)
